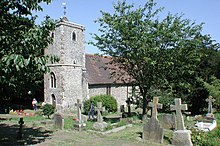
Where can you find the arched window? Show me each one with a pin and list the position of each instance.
(52, 35)
(74, 36)
(53, 83)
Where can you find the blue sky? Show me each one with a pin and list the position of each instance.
(84, 12)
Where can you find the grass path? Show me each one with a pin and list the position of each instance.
(128, 137)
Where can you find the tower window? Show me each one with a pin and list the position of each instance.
(74, 36)
(52, 80)
(108, 90)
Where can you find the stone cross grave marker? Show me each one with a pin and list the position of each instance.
(152, 129)
(79, 125)
(210, 99)
(20, 134)
(178, 107)
(79, 112)
(58, 121)
(155, 105)
(100, 124)
(99, 108)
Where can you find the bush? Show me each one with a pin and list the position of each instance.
(108, 101)
(48, 110)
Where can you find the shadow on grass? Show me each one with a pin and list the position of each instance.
(9, 133)
(140, 134)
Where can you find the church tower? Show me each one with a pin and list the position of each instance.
(65, 83)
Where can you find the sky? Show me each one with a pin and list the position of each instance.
(84, 12)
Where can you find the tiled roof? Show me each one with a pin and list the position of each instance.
(98, 71)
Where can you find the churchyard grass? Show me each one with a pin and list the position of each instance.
(131, 134)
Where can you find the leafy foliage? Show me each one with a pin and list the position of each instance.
(108, 101)
(48, 110)
(161, 53)
(214, 89)
(22, 45)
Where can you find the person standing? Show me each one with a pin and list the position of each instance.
(34, 104)
(91, 110)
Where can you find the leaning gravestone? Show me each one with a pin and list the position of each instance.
(152, 129)
(181, 136)
(100, 124)
(58, 121)
(79, 123)
(210, 110)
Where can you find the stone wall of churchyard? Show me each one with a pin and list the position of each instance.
(121, 93)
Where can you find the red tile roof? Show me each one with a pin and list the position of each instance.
(99, 71)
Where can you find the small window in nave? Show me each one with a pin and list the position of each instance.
(74, 36)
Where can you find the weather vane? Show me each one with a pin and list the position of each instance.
(64, 7)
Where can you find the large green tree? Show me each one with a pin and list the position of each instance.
(158, 53)
(22, 44)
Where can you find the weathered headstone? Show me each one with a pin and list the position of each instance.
(100, 124)
(168, 121)
(178, 107)
(152, 129)
(210, 100)
(181, 136)
(58, 121)
(20, 134)
(79, 123)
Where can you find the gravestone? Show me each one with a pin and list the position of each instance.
(152, 130)
(122, 108)
(181, 136)
(100, 124)
(210, 110)
(58, 121)
(20, 134)
(168, 121)
(79, 123)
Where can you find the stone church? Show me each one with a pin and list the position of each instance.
(77, 75)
